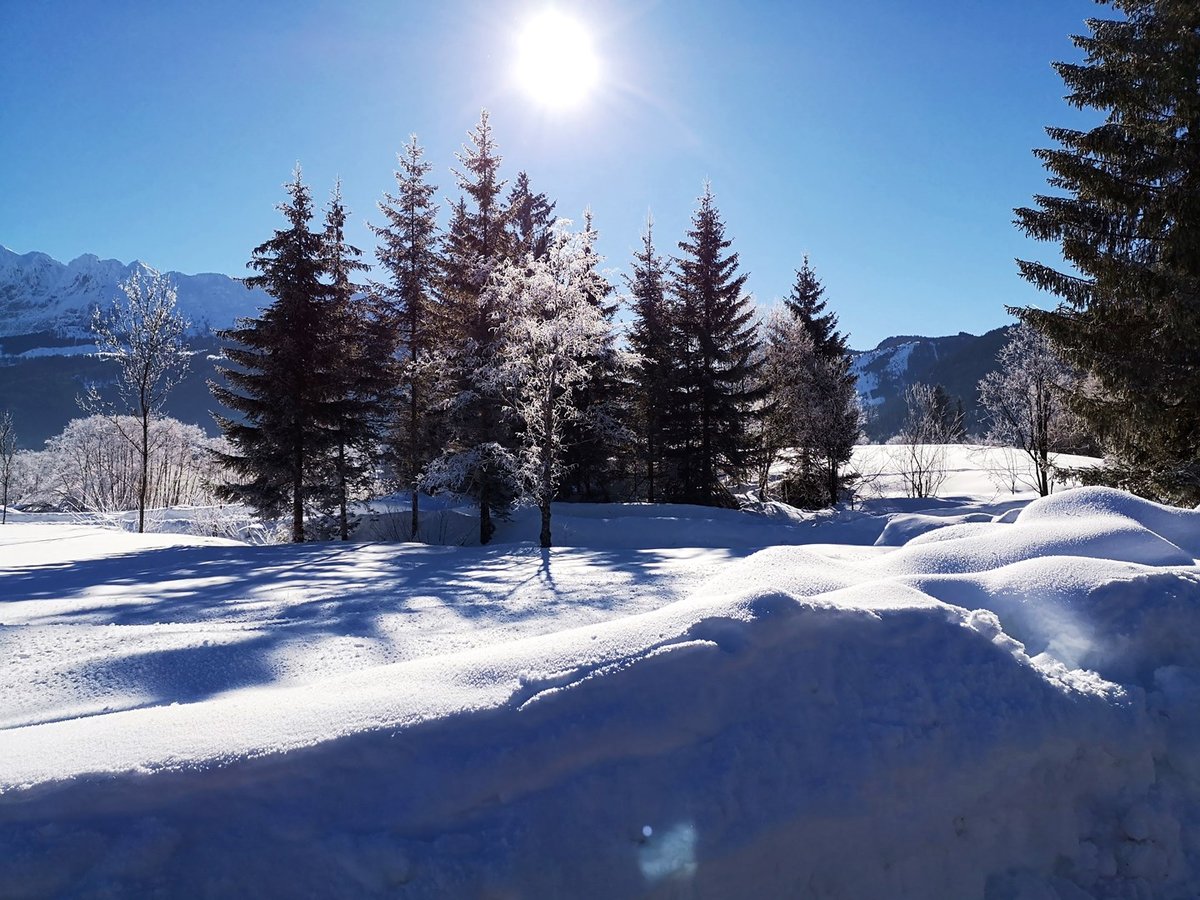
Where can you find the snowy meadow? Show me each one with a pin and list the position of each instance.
(976, 695)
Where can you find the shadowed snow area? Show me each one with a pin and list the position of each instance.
(944, 700)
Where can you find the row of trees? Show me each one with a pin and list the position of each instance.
(486, 362)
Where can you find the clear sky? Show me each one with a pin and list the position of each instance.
(889, 141)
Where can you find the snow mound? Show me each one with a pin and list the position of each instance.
(1000, 711)
(903, 528)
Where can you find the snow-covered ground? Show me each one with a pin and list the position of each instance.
(979, 697)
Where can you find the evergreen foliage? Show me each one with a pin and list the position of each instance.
(652, 341)
(282, 382)
(477, 243)
(530, 218)
(712, 401)
(1126, 216)
(830, 420)
(408, 251)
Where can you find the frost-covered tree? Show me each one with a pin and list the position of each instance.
(653, 369)
(810, 409)
(921, 443)
(282, 383)
(715, 391)
(408, 252)
(8, 457)
(548, 339)
(144, 334)
(596, 436)
(1125, 214)
(476, 245)
(1025, 401)
(833, 416)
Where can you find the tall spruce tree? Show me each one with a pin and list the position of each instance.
(282, 382)
(530, 217)
(652, 342)
(832, 408)
(361, 358)
(408, 251)
(1127, 218)
(477, 242)
(594, 435)
(715, 392)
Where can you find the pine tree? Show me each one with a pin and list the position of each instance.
(807, 304)
(833, 410)
(477, 243)
(408, 251)
(530, 217)
(593, 437)
(652, 342)
(282, 382)
(361, 378)
(718, 335)
(1127, 218)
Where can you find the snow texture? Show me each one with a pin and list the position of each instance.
(994, 709)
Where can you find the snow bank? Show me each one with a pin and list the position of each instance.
(992, 710)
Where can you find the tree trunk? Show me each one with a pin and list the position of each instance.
(412, 440)
(343, 520)
(145, 471)
(298, 496)
(486, 528)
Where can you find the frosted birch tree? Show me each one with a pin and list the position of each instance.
(1025, 399)
(549, 329)
(143, 334)
(8, 456)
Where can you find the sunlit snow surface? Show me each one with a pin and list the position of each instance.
(917, 699)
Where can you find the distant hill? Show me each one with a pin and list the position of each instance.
(957, 362)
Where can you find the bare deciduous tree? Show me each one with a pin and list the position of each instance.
(8, 455)
(144, 334)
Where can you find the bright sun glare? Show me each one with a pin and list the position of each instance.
(555, 61)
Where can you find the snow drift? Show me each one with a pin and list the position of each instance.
(991, 710)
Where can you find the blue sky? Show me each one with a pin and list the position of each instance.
(888, 141)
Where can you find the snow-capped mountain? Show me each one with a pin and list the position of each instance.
(957, 362)
(39, 294)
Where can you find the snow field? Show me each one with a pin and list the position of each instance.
(1003, 709)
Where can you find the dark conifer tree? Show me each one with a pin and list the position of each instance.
(807, 303)
(282, 382)
(408, 251)
(477, 242)
(715, 392)
(652, 374)
(816, 478)
(529, 217)
(361, 374)
(1126, 214)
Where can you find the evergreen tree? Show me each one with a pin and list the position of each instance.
(1127, 218)
(807, 304)
(530, 217)
(282, 382)
(408, 251)
(718, 337)
(361, 355)
(594, 435)
(652, 374)
(832, 403)
(477, 243)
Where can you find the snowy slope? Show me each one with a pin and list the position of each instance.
(1003, 707)
(40, 294)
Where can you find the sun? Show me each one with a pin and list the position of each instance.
(556, 64)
